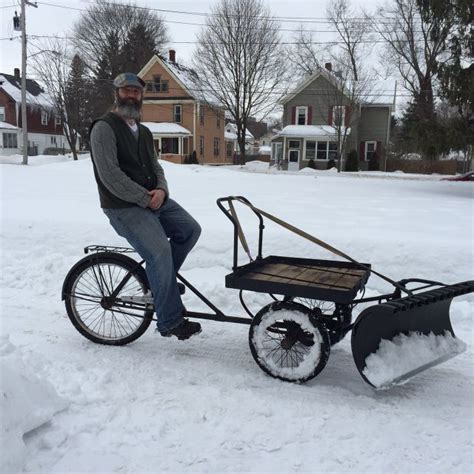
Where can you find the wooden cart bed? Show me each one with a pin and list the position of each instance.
(316, 279)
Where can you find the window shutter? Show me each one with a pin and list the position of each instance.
(348, 116)
(362, 151)
(330, 115)
(310, 115)
(293, 115)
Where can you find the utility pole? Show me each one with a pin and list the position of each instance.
(24, 124)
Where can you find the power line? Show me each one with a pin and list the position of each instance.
(288, 43)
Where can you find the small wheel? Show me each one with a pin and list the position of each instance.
(87, 289)
(336, 317)
(288, 343)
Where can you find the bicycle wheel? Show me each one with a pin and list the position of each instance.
(94, 313)
(288, 343)
(336, 317)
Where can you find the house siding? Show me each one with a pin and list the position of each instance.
(9, 104)
(159, 107)
(321, 95)
(373, 124)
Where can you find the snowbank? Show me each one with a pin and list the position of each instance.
(399, 359)
(27, 402)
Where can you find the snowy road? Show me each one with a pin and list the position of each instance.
(160, 405)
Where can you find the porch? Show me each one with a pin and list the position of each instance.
(171, 141)
(296, 145)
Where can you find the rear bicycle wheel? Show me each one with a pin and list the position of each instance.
(94, 313)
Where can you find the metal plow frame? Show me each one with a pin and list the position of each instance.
(424, 313)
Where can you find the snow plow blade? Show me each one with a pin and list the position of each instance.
(393, 341)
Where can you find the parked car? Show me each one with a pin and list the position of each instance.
(469, 176)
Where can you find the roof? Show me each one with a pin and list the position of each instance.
(35, 95)
(166, 128)
(309, 131)
(380, 89)
(230, 136)
(8, 126)
(232, 129)
(307, 80)
(186, 77)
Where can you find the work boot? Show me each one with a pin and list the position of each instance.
(184, 330)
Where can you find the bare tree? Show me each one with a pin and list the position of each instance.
(239, 61)
(54, 71)
(352, 33)
(414, 46)
(106, 27)
(305, 54)
(353, 81)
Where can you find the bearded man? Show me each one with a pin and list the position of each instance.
(134, 196)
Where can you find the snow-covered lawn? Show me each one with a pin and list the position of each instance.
(159, 405)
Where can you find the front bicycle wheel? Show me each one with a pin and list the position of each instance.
(94, 312)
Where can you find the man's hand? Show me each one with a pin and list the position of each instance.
(157, 198)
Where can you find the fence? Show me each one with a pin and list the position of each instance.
(428, 167)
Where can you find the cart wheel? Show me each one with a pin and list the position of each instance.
(336, 317)
(86, 291)
(288, 343)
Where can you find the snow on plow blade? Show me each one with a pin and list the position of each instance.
(393, 341)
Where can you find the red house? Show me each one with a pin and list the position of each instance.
(45, 129)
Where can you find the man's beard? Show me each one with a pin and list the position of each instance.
(128, 108)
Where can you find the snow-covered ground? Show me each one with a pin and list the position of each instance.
(159, 405)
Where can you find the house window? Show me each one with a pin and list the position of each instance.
(326, 151)
(44, 117)
(332, 153)
(229, 149)
(277, 152)
(338, 115)
(201, 146)
(170, 145)
(310, 150)
(294, 144)
(370, 150)
(57, 120)
(10, 140)
(217, 147)
(2, 114)
(201, 115)
(157, 85)
(185, 146)
(218, 121)
(177, 113)
(301, 115)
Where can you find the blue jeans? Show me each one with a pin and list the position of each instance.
(148, 232)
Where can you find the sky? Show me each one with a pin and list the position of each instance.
(57, 17)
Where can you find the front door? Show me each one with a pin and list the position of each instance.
(293, 160)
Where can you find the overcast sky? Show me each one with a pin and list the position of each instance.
(51, 20)
(57, 17)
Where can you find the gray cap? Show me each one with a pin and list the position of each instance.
(129, 79)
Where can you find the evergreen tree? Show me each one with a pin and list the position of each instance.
(456, 74)
(138, 49)
(77, 95)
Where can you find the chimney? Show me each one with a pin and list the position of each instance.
(16, 73)
(328, 66)
(172, 55)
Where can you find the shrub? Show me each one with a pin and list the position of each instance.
(311, 164)
(331, 164)
(191, 159)
(352, 163)
(374, 163)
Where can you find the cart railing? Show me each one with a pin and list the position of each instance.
(238, 232)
